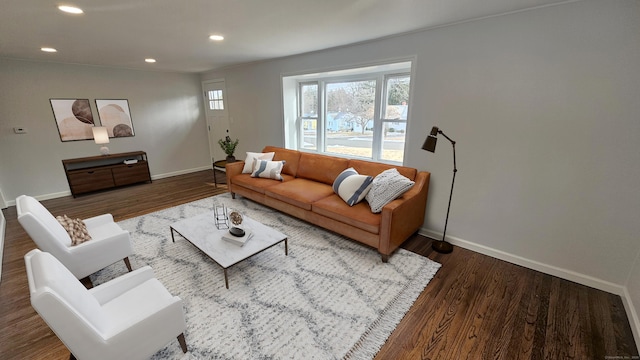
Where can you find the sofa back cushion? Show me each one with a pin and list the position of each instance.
(321, 168)
(373, 168)
(291, 158)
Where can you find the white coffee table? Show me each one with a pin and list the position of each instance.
(202, 232)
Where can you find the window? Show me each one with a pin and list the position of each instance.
(309, 114)
(216, 102)
(394, 123)
(361, 113)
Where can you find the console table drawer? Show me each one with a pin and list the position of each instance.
(130, 174)
(89, 180)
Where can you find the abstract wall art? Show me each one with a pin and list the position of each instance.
(73, 118)
(116, 117)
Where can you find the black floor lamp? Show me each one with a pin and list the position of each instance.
(442, 246)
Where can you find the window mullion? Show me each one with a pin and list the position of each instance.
(377, 120)
(320, 135)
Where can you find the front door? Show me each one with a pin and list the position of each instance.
(217, 114)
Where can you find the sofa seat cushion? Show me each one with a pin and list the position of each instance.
(258, 184)
(358, 215)
(300, 192)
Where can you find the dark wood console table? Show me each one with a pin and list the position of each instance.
(106, 171)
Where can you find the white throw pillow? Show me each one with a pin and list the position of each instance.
(251, 156)
(351, 186)
(267, 169)
(387, 186)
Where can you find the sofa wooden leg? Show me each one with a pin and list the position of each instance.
(183, 342)
(233, 195)
(71, 357)
(126, 262)
(385, 258)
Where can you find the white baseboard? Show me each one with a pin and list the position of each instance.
(532, 264)
(632, 314)
(570, 275)
(153, 177)
(181, 172)
(3, 227)
(44, 197)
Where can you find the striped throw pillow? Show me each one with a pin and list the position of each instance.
(267, 169)
(351, 186)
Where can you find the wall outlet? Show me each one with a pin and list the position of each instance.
(20, 130)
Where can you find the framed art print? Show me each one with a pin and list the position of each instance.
(73, 118)
(116, 117)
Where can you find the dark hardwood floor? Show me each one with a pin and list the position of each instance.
(476, 307)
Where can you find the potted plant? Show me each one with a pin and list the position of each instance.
(229, 147)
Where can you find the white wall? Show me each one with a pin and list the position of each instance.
(166, 110)
(544, 107)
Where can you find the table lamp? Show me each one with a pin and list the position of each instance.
(101, 136)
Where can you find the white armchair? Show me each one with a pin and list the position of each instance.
(130, 317)
(108, 244)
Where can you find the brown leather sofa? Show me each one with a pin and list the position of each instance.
(306, 192)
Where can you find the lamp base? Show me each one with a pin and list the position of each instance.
(441, 246)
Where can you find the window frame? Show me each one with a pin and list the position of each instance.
(381, 77)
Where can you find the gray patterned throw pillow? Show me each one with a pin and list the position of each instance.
(387, 186)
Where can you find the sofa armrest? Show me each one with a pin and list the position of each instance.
(233, 169)
(404, 216)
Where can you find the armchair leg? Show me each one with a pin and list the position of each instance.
(233, 195)
(126, 262)
(385, 258)
(86, 281)
(183, 343)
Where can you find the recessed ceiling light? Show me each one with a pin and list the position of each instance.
(149, 60)
(70, 9)
(48, 49)
(216, 37)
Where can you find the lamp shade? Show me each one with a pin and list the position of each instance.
(100, 134)
(430, 142)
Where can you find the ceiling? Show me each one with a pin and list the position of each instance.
(122, 33)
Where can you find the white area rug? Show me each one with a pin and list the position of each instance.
(331, 298)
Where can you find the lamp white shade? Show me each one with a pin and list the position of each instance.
(101, 136)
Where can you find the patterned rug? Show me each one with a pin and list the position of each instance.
(331, 298)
